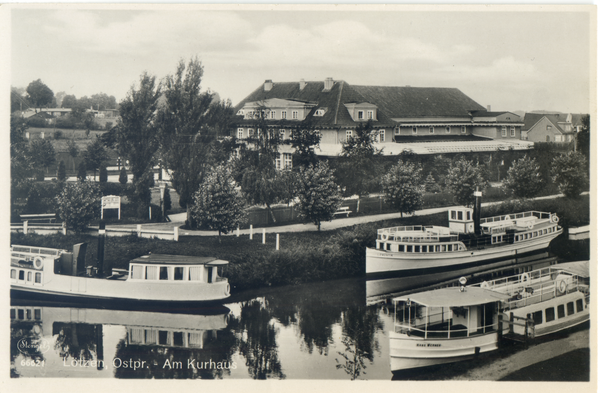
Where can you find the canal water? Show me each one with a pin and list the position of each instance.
(316, 331)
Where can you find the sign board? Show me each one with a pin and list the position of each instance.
(111, 202)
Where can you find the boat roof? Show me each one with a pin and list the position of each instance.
(453, 297)
(579, 268)
(166, 259)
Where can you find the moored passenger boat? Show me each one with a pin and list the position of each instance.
(53, 274)
(451, 324)
(465, 242)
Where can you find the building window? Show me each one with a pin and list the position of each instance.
(448, 130)
(414, 130)
(463, 129)
(369, 115)
(361, 115)
(558, 138)
(272, 114)
(348, 135)
(278, 162)
(548, 128)
(319, 112)
(512, 131)
(287, 160)
(240, 112)
(294, 114)
(282, 134)
(503, 132)
(284, 114)
(259, 133)
(381, 135)
(250, 133)
(240, 133)
(432, 130)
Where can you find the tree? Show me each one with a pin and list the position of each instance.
(21, 167)
(304, 140)
(61, 174)
(39, 94)
(570, 173)
(167, 199)
(523, 178)
(431, 185)
(103, 176)
(95, 155)
(188, 129)
(217, 203)
(123, 176)
(43, 153)
(78, 204)
(318, 194)
(73, 150)
(18, 101)
(402, 187)
(137, 135)
(582, 138)
(82, 171)
(358, 163)
(462, 179)
(59, 98)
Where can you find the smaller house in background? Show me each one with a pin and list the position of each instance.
(555, 127)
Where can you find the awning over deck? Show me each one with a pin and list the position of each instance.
(165, 259)
(453, 297)
(580, 268)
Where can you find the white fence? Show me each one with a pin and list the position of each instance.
(50, 229)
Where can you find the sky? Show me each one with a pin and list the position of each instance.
(530, 58)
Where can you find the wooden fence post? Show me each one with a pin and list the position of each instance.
(251, 232)
(139, 230)
(237, 233)
(264, 235)
(277, 242)
(25, 227)
(176, 234)
(64, 228)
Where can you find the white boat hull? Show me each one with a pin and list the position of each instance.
(380, 261)
(408, 352)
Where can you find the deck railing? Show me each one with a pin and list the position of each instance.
(515, 216)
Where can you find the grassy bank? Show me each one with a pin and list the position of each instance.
(303, 257)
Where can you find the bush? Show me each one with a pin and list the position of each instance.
(113, 189)
(58, 134)
(79, 204)
(61, 174)
(103, 176)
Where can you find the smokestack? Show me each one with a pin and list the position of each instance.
(101, 236)
(328, 83)
(302, 84)
(477, 212)
(268, 85)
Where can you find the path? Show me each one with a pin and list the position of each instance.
(177, 220)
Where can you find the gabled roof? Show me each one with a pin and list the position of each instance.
(490, 114)
(392, 102)
(531, 119)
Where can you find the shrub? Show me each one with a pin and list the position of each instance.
(78, 204)
(58, 134)
(103, 176)
(123, 176)
(61, 174)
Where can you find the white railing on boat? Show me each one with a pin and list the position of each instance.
(36, 250)
(418, 234)
(516, 216)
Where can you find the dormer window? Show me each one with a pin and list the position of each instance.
(463, 129)
(361, 115)
(294, 114)
(414, 130)
(370, 115)
(447, 130)
(272, 115)
(284, 114)
(432, 130)
(240, 112)
(320, 112)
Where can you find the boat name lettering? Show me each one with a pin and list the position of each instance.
(429, 345)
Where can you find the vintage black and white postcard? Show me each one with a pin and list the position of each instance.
(306, 193)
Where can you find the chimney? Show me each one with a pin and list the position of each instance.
(302, 84)
(489, 108)
(268, 85)
(328, 83)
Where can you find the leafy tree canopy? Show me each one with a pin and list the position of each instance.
(523, 178)
(78, 204)
(39, 94)
(402, 187)
(570, 173)
(463, 178)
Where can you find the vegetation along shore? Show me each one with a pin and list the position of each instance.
(303, 257)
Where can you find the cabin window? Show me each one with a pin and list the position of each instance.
(196, 273)
(163, 337)
(13, 273)
(37, 314)
(13, 314)
(423, 248)
(545, 231)
(550, 314)
(38, 278)
(178, 339)
(570, 308)
(20, 314)
(560, 310)
(443, 248)
(28, 314)
(417, 248)
(453, 214)
(178, 273)
(401, 247)
(151, 272)
(137, 272)
(468, 216)
(21, 275)
(537, 317)
(409, 248)
(29, 276)
(460, 215)
(430, 248)
(164, 273)
(388, 246)
(579, 305)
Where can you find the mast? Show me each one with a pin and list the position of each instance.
(477, 212)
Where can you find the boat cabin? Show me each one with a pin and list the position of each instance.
(448, 313)
(169, 268)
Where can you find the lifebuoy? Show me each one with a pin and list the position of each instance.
(562, 287)
(507, 218)
(384, 236)
(485, 284)
(530, 226)
(38, 263)
(227, 289)
(554, 218)
(524, 277)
